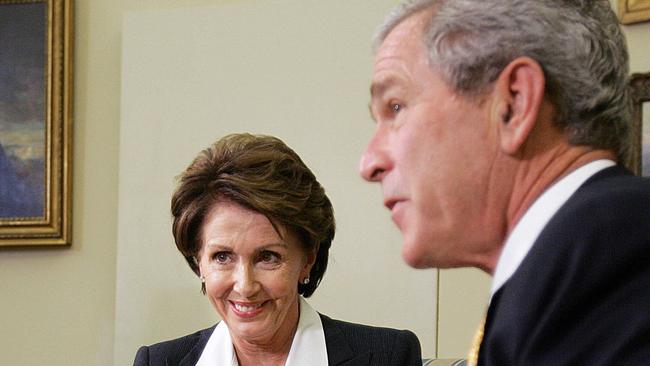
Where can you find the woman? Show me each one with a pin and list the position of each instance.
(255, 225)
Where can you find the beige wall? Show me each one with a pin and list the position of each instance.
(296, 69)
(638, 39)
(57, 306)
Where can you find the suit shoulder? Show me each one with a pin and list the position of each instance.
(613, 190)
(607, 209)
(601, 230)
(181, 342)
(356, 329)
(174, 349)
(384, 343)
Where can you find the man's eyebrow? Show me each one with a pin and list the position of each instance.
(377, 88)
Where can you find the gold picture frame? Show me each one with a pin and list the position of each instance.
(36, 123)
(633, 11)
(639, 155)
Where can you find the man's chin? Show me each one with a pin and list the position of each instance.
(415, 256)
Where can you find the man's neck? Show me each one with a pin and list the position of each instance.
(536, 175)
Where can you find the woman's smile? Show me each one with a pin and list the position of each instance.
(247, 310)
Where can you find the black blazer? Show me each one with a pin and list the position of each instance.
(347, 344)
(582, 294)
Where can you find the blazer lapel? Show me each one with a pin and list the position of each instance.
(339, 352)
(363, 359)
(192, 357)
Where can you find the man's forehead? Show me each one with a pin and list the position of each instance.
(397, 66)
(414, 24)
(404, 43)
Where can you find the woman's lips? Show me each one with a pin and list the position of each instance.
(247, 309)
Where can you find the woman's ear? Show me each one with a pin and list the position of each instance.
(310, 259)
(197, 263)
(200, 272)
(518, 95)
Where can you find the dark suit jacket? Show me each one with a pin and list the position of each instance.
(582, 294)
(347, 344)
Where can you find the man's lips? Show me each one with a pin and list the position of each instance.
(395, 205)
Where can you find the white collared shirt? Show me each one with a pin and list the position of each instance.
(526, 231)
(307, 348)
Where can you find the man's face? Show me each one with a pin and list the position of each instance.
(432, 151)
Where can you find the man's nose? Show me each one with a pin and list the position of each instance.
(375, 161)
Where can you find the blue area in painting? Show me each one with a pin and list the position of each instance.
(22, 109)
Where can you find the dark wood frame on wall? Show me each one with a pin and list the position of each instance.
(640, 93)
(54, 227)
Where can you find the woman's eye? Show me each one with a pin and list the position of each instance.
(269, 257)
(395, 107)
(221, 257)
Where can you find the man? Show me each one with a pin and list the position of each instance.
(499, 125)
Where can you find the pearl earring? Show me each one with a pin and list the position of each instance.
(305, 281)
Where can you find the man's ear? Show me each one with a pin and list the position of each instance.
(518, 96)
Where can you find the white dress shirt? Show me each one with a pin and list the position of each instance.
(307, 348)
(526, 231)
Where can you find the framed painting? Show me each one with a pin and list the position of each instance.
(639, 156)
(35, 122)
(633, 11)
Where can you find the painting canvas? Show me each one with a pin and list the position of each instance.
(35, 122)
(22, 110)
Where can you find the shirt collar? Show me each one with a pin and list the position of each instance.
(526, 231)
(219, 350)
(307, 348)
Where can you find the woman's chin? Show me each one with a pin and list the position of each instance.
(250, 332)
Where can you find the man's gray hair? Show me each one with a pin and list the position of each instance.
(578, 43)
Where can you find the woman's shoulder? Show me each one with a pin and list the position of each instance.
(383, 342)
(173, 350)
(357, 329)
(184, 342)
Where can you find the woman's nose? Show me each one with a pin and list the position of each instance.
(245, 282)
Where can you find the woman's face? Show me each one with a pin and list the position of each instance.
(251, 273)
